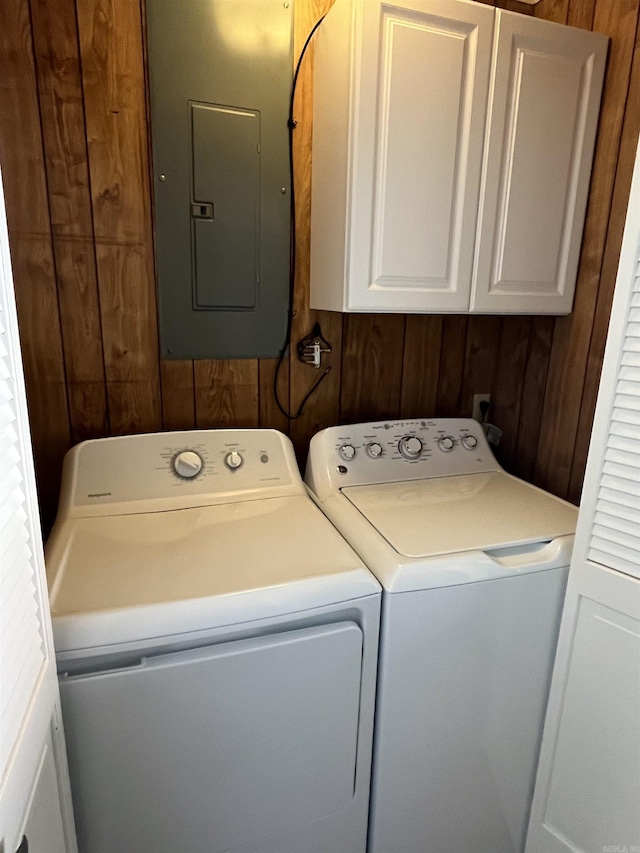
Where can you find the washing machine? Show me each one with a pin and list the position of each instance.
(473, 565)
(216, 642)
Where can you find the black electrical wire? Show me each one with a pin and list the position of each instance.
(292, 262)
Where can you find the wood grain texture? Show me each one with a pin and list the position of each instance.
(533, 396)
(568, 364)
(581, 13)
(226, 393)
(481, 353)
(25, 189)
(87, 271)
(114, 92)
(323, 407)
(420, 366)
(454, 338)
(552, 10)
(373, 346)
(178, 398)
(508, 382)
(56, 47)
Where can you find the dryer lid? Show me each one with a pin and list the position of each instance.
(124, 578)
(474, 512)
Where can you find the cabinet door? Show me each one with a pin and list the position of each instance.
(545, 97)
(419, 126)
(397, 153)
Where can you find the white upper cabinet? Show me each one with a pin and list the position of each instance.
(546, 82)
(426, 113)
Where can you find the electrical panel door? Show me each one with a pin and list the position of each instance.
(220, 77)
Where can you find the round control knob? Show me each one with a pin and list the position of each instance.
(347, 451)
(410, 447)
(187, 464)
(447, 444)
(374, 449)
(233, 460)
(469, 442)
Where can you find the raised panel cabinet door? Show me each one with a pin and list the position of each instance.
(546, 84)
(399, 149)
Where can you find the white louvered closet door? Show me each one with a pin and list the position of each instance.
(34, 786)
(615, 538)
(587, 794)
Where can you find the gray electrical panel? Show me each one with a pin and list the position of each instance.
(220, 74)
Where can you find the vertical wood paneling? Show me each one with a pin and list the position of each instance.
(581, 13)
(113, 81)
(508, 381)
(533, 395)
(372, 352)
(552, 10)
(64, 134)
(323, 408)
(483, 338)
(454, 337)
(270, 415)
(567, 369)
(178, 398)
(421, 366)
(85, 276)
(22, 163)
(226, 393)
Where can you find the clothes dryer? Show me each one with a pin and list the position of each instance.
(216, 642)
(473, 564)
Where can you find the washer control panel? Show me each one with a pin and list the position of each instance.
(392, 451)
(195, 467)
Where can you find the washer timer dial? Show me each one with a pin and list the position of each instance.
(187, 464)
(410, 446)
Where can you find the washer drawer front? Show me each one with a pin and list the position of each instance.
(211, 749)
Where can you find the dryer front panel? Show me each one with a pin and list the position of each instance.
(212, 749)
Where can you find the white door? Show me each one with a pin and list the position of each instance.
(35, 798)
(545, 98)
(587, 795)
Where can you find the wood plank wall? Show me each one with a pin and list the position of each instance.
(75, 160)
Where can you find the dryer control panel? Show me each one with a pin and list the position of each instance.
(172, 470)
(393, 451)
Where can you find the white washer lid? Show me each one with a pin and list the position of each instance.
(472, 512)
(119, 579)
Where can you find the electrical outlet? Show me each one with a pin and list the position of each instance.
(477, 399)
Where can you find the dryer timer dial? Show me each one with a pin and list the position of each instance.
(188, 464)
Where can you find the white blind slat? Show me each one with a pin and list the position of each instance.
(615, 535)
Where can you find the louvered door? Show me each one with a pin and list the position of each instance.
(587, 795)
(34, 790)
(615, 538)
